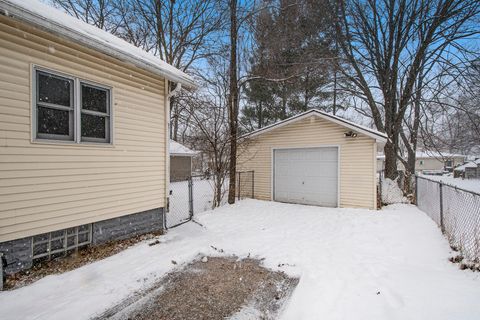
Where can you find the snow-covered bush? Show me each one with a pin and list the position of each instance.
(391, 192)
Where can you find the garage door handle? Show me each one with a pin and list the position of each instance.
(303, 182)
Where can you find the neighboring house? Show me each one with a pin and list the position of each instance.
(428, 161)
(83, 139)
(313, 158)
(180, 161)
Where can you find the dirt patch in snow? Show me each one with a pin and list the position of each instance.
(211, 288)
(74, 260)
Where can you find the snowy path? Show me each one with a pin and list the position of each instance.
(353, 264)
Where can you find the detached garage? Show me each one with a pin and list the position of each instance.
(314, 158)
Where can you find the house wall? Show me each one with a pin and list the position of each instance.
(357, 158)
(435, 163)
(50, 186)
(180, 168)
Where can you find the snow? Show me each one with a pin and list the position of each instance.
(466, 184)
(60, 23)
(178, 149)
(352, 264)
(425, 154)
(391, 192)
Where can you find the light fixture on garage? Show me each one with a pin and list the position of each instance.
(350, 134)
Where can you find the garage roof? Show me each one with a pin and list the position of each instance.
(377, 135)
(59, 23)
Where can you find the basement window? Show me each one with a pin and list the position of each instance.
(70, 109)
(61, 242)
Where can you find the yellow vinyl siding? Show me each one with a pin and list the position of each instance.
(48, 185)
(357, 158)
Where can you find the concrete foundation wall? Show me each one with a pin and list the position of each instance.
(18, 252)
(127, 226)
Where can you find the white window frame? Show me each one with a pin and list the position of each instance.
(77, 110)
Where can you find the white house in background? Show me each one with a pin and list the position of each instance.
(428, 161)
(180, 161)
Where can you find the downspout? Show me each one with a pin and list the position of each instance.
(168, 95)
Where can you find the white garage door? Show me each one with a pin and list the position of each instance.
(306, 176)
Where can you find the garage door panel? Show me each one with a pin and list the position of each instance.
(306, 176)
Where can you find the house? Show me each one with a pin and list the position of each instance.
(83, 134)
(180, 161)
(428, 161)
(313, 158)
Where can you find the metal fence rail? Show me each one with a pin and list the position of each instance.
(197, 194)
(456, 211)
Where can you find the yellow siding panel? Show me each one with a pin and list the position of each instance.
(45, 185)
(357, 158)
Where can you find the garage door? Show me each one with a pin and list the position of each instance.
(306, 176)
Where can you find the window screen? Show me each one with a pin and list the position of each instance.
(95, 123)
(64, 103)
(55, 107)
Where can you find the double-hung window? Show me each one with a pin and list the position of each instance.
(70, 109)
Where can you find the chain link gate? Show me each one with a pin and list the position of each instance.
(197, 194)
(180, 203)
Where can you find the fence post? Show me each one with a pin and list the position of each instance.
(416, 190)
(253, 184)
(239, 175)
(441, 208)
(190, 196)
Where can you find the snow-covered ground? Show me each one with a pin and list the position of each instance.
(467, 184)
(352, 264)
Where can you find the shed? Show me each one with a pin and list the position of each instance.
(313, 158)
(467, 170)
(180, 161)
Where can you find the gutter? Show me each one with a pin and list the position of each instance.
(31, 18)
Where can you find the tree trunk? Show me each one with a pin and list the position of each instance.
(390, 160)
(233, 101)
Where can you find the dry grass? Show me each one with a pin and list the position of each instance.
(216, 288)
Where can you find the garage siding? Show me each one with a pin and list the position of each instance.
(357, 158)
(51, 186)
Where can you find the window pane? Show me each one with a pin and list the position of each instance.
(53, 89)
(94, 126)
(94, 99)
(53, 121)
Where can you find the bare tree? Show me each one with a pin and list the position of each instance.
(390, 45)
(101, 13)
(180, 33)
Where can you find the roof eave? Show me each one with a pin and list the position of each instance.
(379, 138)
(72, 35)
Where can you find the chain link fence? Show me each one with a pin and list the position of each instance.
(456, 211)
(199, 193)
